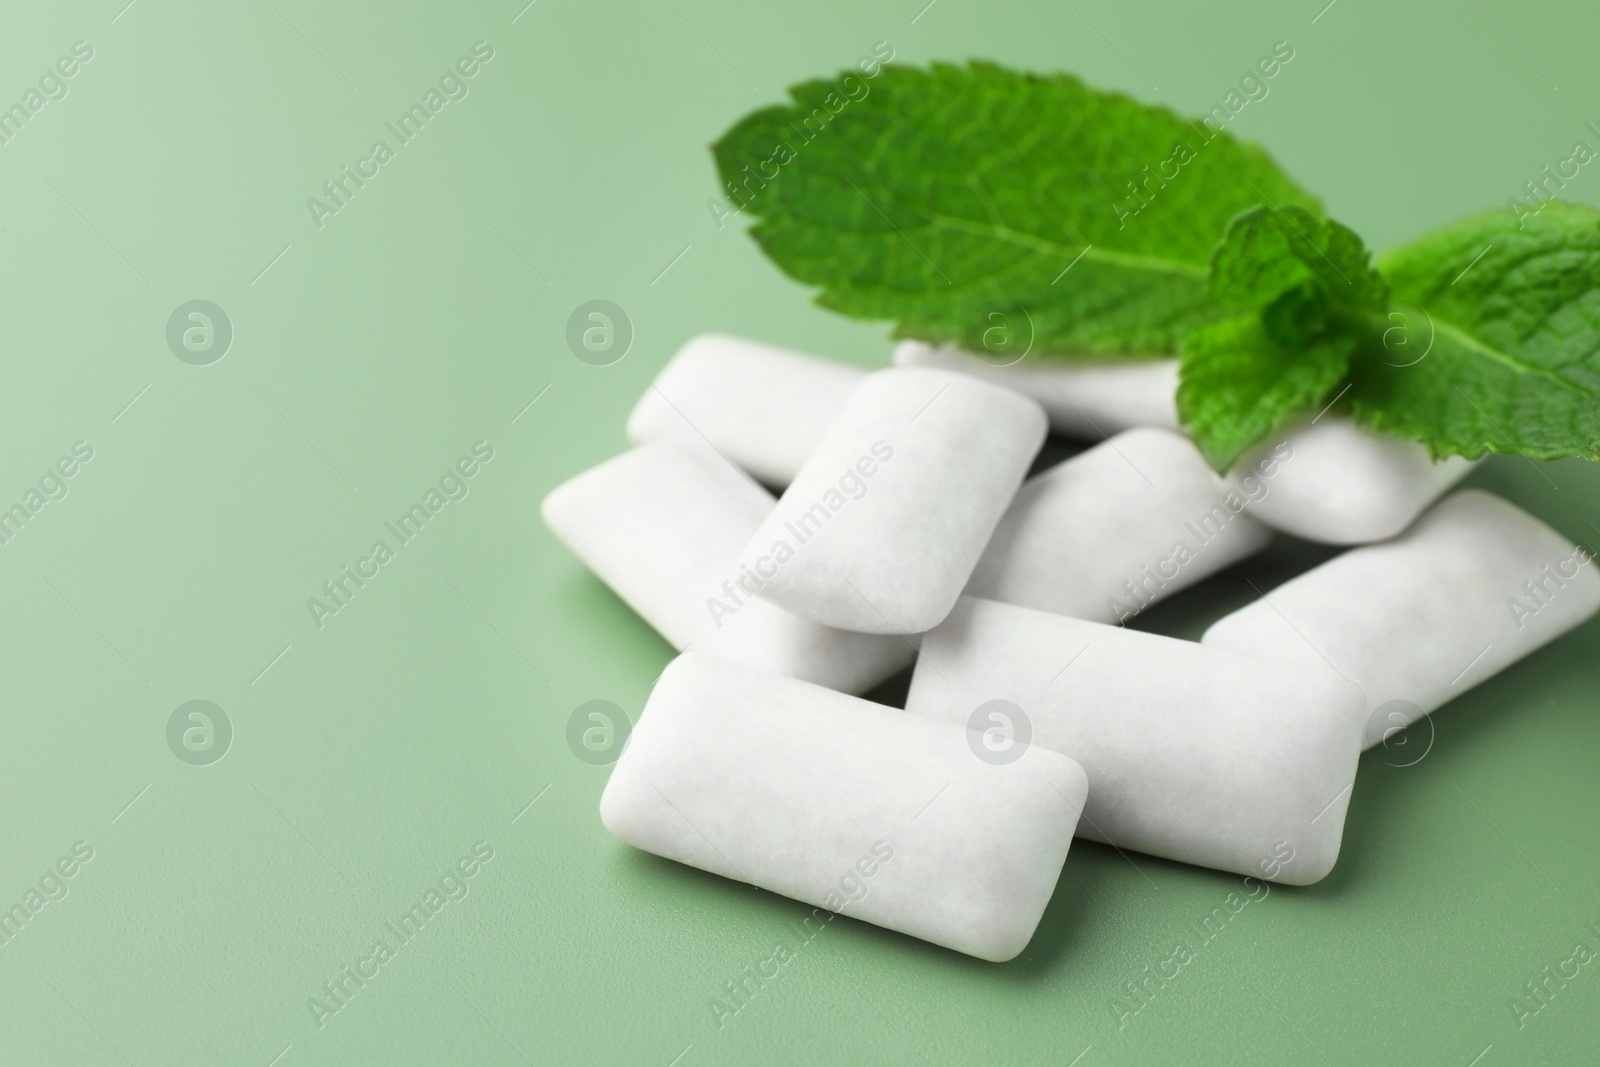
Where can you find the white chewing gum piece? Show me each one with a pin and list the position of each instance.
(1343, 484)
(663, 526)
(1112, 530)
(1193, 753)
(881, 528)
(763, 407)
(1473, 586)
(847, 805)
(1084, 398)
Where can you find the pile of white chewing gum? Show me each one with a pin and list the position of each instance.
(907, 533)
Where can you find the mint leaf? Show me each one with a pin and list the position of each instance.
(1268, 253)
(1307, 292)
(943, 197)
(1512, 312)
(1238, 384)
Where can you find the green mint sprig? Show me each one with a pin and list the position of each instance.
(1302, 291)
(939, 197)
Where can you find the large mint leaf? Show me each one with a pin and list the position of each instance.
(944, 197)
(1500, 324)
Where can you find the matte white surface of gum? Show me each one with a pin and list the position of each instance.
(763, 407)
(1343, 484)
(663, 526)
(1424, 617)
(1083, 399)
(851, 806)
(1112, 530)
(883, 525)
(1197, 754)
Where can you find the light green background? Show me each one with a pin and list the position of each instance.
(427, 714)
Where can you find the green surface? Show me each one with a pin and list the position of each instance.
(423, 717)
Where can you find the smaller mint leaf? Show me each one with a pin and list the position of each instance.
(1237, 384)
(1305, 291)
(1270, 252)
(1255, 264)
(1365, 290)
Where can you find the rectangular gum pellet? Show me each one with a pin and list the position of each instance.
(1472, 587)
(1338, 483)
(1114, 529)
(1084, 398)
(847, 805)
(883, 525)
(763, 407)
(1197, 754)
(663, 526)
